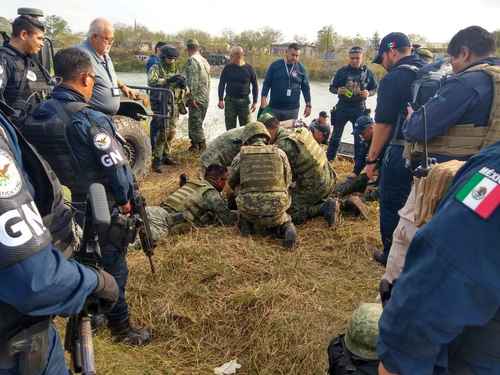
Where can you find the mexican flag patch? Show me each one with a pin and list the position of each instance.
(482, 192)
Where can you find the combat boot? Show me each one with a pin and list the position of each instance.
(202, 146)
(156, 166)
(125, 333)
(246, 228)
(290, 235)
(331, 211)
(167, 160)
(194, 147)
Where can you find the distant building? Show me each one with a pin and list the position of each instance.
(436, 47)
(309, 50)
(329, 56)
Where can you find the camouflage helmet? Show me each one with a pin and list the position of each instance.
(362, 332)
(252, 129)
(424, 53)
(168, 52)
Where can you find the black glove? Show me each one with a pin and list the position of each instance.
(385, 289)
(106, 290)
(177, 80)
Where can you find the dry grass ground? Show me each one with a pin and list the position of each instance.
(218, 296)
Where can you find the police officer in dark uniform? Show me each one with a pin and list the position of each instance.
(82, 147)
(37, 280)
(353, 84)
(22, 79)
(394, 93)
(444, 313)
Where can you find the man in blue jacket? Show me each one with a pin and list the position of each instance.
(444, 313)
(82, 146)
(37, 281)
(286, 78)
(394, 93)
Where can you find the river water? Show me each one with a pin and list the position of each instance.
(322, 100)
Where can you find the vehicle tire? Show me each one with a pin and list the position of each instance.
(138, 147)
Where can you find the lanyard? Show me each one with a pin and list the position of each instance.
(289, 72)
(104, 62)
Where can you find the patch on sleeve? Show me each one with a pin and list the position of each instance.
(102, 141)
(481, 193)
(10, 178)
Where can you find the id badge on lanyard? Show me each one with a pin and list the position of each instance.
(115, 91)
(289, 73)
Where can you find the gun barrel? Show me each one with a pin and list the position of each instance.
(87, 347)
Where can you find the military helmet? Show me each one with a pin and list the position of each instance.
(253, 129)
(424, 53)
(266, 116)
(362, 332)
(33, 12)
(168, 52)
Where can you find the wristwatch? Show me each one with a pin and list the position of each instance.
(368, 161)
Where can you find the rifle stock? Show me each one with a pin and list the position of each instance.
(144, 227)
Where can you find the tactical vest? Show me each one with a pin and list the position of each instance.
(261, 170)
(29, 78)
(311, 160)
(50, 137)
(468, 139)
(18, 244)
(188, 199)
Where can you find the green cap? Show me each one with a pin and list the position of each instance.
(362, 332)
(192, 43)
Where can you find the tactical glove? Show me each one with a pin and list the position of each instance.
(106, 290)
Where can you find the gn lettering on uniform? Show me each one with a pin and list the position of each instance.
(113, 158)
(20, 225)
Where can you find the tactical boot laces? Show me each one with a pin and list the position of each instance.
(331, 211)
(127, 334)
(290, 236)
(167, 160)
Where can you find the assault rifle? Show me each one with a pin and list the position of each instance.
(78, 340)
(143, 226)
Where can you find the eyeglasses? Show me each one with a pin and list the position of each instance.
(91, 76)
(106, 39)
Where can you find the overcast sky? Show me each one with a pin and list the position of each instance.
(437, 20)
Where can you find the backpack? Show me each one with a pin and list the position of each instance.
(428, 81)
(342, 362)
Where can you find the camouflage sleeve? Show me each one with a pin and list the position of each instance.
(154, 76)
(192, 71)
(288, 169)
(218, 206)
(234, 173)
(291, 153)
(3, 77)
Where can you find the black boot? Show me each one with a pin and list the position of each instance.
(125, 333)
(289, 235)
(331, 211)
(194, 147)
(202, 146)
(167, 160)
(380, 257)
(156, 166)
(246, 228)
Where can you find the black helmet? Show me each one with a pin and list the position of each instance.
(168, 52)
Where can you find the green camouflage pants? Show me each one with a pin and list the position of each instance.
(195, 123)
(304, 207)
(162, 141)
(236, 109)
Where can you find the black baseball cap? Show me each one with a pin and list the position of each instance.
(392, 40)
(323, 128)
(323, 114)
(356, 49)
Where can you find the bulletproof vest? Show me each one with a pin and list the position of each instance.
(29, 78)
(261, 170)
(23, 232)
(477, 345)
(311, 160)
(188, 199)
(467, 139)
(50, 137)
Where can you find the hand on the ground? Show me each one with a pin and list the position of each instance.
(253, 107)
(263, 102)
(307, 111)
(221, 104)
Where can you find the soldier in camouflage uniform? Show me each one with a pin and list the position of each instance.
(165, 74)
(198, 80)
(223, 149)
(197, 202)
(313, 176)
(261, 176)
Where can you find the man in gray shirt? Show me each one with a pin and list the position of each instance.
(107, 88)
